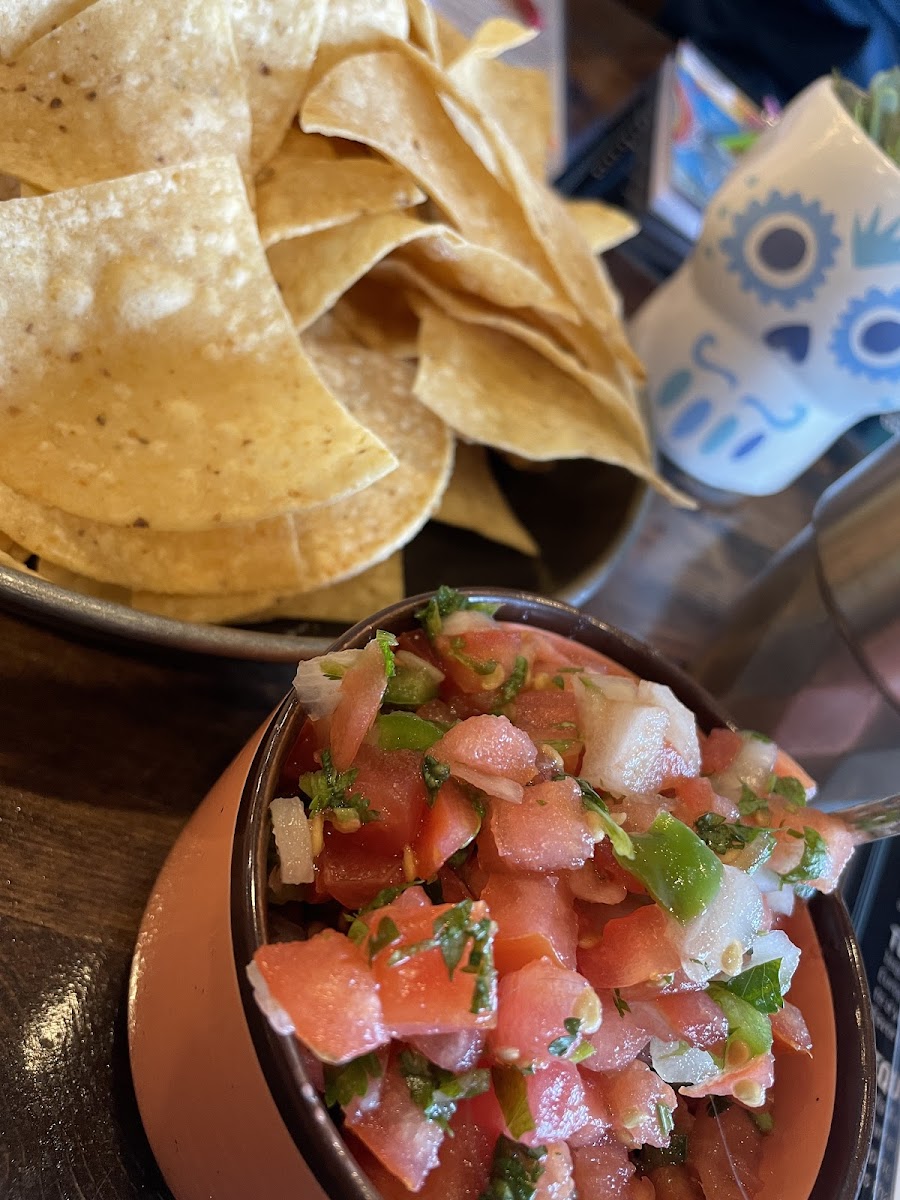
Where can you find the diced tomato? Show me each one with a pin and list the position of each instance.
(548, 832)
(479, 660)
(448, 825)
(418, 996)
(453, 1051)
(597, 1126)
(586, 884)
(635, 1096)
(725, 1152)
(550, 717)
(557, 1181)
(561, 651)
(675, 1183)
(694, 1018)
(417, 642)
(631, 950)
(694, 797)
(532, 1006)
(718, 750)
(534, 920)
(352, 874)
(603, 1172)
(619, 1040)
(839, 839)
(328, 991)
(747, 1083)
(398, 1132)
(789, 1028)
(786, 766)
(362, 690)
(557, 1103)
(299, 759)
(608, 868)
(391, 780)
(491, 746)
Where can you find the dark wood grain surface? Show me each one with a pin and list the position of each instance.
(106, 750)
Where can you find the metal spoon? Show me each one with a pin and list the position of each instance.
(874, 819)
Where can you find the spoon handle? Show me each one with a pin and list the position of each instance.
(875, 819)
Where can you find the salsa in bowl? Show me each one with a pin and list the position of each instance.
(528, 925)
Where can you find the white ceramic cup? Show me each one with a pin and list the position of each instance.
(783, 329)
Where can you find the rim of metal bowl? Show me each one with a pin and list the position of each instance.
(302, 1109)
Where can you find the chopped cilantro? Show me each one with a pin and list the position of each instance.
(328, 792)
(435, 775)
(343, 1084)
(791, 789)
(461, 856)
(558, 682)
(721, 836)
(385, 935)
(764, 1121)
(387, 896)
(561, 1046)
(593, 802)
(481, 666)
(508, 690)
(445, 601)
(759, 986)
(649, 1158)
(436, 1091)
(815, 861)
(622, 1006)
(512, 1095)
(453, 930)
(665, 1119)
(386, 642)
(358, 931)
(750, 803)
(515, 1171)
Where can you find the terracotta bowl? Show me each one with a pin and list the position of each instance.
(225, 1101)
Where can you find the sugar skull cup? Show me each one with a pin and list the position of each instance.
(783, 329)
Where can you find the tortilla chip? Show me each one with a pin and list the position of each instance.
(496, 36)
(304, 196)
(387, 100)
(149, 371)
(602, 226)
(451, 41)
(352, 26)
(497, 391)
(123, 87)
(473, 500)
(377, 314)
(276, 43)
(517, 98)
(423, 28)
(286, 554)
(24, 21)
(346, 602)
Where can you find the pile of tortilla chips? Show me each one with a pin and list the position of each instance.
(267, 265)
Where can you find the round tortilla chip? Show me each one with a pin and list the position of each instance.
(149, 370)
(292, 553)
(473, 500)
(123, 87)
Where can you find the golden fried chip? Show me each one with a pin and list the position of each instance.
(149, 371)
(346, 602)
(352, 26)
(304, 196)
(24, 21)
(125, 86)
(423, 28)
(602, 226)
(473, 500)
(276, 43)
(377, 314)
(517, 98)
(287, 554)
(496, 36)
(387, 100)
(493, 389)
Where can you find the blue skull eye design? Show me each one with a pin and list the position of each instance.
(781, 248)
(866, 340)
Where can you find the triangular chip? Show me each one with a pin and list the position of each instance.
(376, 313)
(473, 500)
(517, 98)
(352, 26)
(497, 391)
(304, 196)
(125, 86)
(276, 43)
(287, 554)
(345, 602)
(387, 100)
(24, 21)
(602, 226)
(150, 373)
(423, 28)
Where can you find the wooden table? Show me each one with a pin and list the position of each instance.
(105, 752)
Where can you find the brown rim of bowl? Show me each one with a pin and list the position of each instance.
(302, 1110)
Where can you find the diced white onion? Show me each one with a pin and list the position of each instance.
(735, 916)
(317, 693)
(466, 620)
(271, 1009)
(752, 766)
(682, 731)
(678, 1062)
(770, 946)
(292, 837)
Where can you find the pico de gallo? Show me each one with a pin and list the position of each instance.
(539, 952)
